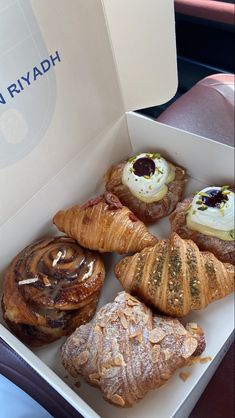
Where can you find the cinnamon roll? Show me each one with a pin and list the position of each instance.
(50, 288)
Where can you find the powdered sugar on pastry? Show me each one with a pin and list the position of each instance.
(126, 350)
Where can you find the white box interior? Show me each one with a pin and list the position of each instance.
(105, 70)
(75, 183)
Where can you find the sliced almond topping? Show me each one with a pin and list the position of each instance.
(135, 334)
(114, 317)
(117, 399)
(119, 360)
(189, 346)
(167, 354)
(128, 311)
(28, 281)
(156, 353)
(110, 372)
(156, 335)
(184, 376)
(57, 258)
(46, 281)
(132, 301)
(94, 378)
(140, 338)
(182, 331)
(205, 359)
(123, 320)
(192, 325)
(98, 329)
(82, 358)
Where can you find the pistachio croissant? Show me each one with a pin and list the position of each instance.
(104, 224)
(127, 351)
(175, 277)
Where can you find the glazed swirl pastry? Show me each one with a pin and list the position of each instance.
(147, 184)
(50, 288)
(127, 350)
(105, 225)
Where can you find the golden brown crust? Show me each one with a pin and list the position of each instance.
(175, 277)
(147, 212)
(50, 288)
(127, 351)
(223, 250)
(105, 225)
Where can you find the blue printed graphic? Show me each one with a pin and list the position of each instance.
(27, 81)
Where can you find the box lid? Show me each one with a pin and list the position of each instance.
(69, 71)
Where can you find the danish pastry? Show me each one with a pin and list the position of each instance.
(208, 219)
(127, 350)
(105, 225)
(147, 184)
(50, 288)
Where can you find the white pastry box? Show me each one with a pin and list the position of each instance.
(71, 75)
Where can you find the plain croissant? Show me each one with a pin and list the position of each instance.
(127, 351)
(103, 224)
(175, 277)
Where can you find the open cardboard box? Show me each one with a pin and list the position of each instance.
(107, 58)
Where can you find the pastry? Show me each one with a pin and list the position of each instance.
(127, 350)
(105, 225)
(147, 184)
(175, 277)
(208, 219)
(50, 288)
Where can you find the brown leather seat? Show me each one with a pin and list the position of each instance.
(207, 109)
(222, 12)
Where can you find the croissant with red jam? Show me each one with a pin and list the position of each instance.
(105, 225)
(50, 288)
(147, 184)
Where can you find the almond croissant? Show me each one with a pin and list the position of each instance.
(127, 351)
(175, 277)
(105, 225)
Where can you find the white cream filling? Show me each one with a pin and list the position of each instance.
(149, 188)
(213, 221)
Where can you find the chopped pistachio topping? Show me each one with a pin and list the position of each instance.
(223, 188)
(156, 155)
(203, 194)
(159, 170)
(203, 208)
(232, 233)
(199, 202)
(132, 159)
